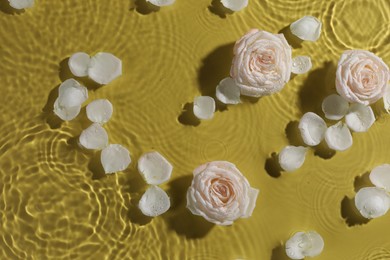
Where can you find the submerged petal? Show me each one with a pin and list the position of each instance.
(360, 117)
(21, 4)
(154, 168)
(308, 28)
(335, 107)
(204, 107)
(161, 2)
(115, 158)
(104, 68)
(372, 202)
(235, 5)
(301, 64)
(154, 202)
(94, 137)
(99, 111)
(338, 137)
(303, 244)
(228, 92)
(380, 177)
(79, 63)
(292, 158)
(312, 128)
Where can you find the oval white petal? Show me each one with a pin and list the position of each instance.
(204, 107)
(79, 64)
(94, 137)
(228, 92)
(99, 111)
(308, 28)
(335, 107)
(235, 5)
(154, 168)
(338, 137)
(301, 64)
(21, 4)
(312, 128)
(303, 244)
(161, 2)
(154, 202)
(66, 113)
(360, 117)
(71, 93)
(380, 177)
(115, 158)
(104, 68)
(292, 158)
(372, 202)
(386, 99)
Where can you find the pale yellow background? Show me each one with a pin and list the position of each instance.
(55, 202)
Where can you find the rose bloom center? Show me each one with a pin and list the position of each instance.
(262, 61)
(223, 189)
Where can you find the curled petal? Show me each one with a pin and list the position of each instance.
(235, 5)
(79, 64)
(228, 92)
(292, 158)
(104, 68)
(301, 64)
(360, 117)
(154, 168)
(372, 202)
(94, 137)
(115, 158)
(312, 128)
(154, 202)
(338, 137)
(204, 107)
(308, 28)
(303, 244)
(335, 107)
(21, 4)
(380, 177)
(99, 111)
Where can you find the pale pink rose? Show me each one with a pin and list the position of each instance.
(361, 77)
(262, 63)
(220, 193)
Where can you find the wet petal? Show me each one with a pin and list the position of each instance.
(303, 244)
(308, 28)
(338, 137)
(115, 158)
(154, 202)
(252, 194)
(292, 158)
(335, 107)
(380, 177)
(301, 64)
(161, 2)
(21, 4)
(99, 111)
(386, 99)
(94, 137)
(71, 93)
(235, 5)
(204, 107)
(372, 202)
(104, 68)
(66, 113)
(79, 64)
(312, 128)
(228, 92)
(360, 117)
(154, 168)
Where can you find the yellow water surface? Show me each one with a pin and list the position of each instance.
(56, 202)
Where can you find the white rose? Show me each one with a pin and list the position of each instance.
(262, 63)
(220, 193)
(361, 77)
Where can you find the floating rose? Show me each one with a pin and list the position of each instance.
(303, 244)
(361, 77)
(220, 193)
(262, 63)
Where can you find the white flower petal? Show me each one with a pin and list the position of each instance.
(308, 28)
(99, 111)
(66, 113)
(312, 128)
(228, 92)
(335, 107)
(372, 202)
(94, 137)
(154, 202)
(303, 244)
(204, 107)
(386, 99)
(71, 93)
(79, 64)
(161, 2)
(380, 177)
(104, 68)
(235, 5)
(21, 4)
(360, 117)
(115, 158)
(154, 168)
(301, 64)
(292, 158)
(338, 137)
(253, 194)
